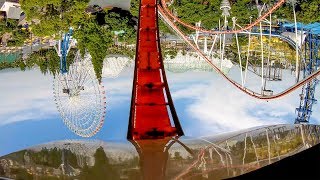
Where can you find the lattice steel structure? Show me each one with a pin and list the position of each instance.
(80, 98)
(64, 47)
(152, 113)
(312, 62)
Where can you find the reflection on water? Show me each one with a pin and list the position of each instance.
(216, 157)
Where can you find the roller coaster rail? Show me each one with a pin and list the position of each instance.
(234, 83)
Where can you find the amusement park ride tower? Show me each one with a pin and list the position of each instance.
(152, 113)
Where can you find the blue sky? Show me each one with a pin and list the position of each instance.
(205, 103)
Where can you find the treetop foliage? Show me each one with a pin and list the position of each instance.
(52, 16)
(93, 32)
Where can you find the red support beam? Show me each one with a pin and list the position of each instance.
(151, 151)
(152, 109)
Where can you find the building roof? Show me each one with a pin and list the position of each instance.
(14, 13)
(11, 7)
(314, 28)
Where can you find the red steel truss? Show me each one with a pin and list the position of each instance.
(152, 113)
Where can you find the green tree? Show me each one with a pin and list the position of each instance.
(309, 11)
(54, 16)
(21, 174)
(22, 66)
(96, 39)
(118, 20)
(18, 37)
(134, 9)
(209, 13)
(102, 169)
(2, 173)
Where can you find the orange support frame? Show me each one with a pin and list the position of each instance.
(152, 108)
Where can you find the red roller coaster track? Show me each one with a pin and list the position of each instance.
(152, 111)
(165, 13)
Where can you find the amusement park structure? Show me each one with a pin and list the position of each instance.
(211, 157)
(79, 97)
(152, 112)
(312, 63)
(145, 35)
(166, 14)
(142, 126)
(307, 48)
(192, 62)
(81, 101)
(152, 109)
(113, 65)
(63, 49)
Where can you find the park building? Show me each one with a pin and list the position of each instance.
(10, 9)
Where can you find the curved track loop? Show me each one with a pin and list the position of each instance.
(237, 85)
(168, 12)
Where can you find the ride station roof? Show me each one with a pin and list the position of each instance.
(314, 28)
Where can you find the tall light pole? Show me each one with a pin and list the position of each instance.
(293, 3)
(225, 7)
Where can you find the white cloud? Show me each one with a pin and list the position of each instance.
(219, 107)
(25, 96)
(118, 90)
(216, 106)
(29, 96)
